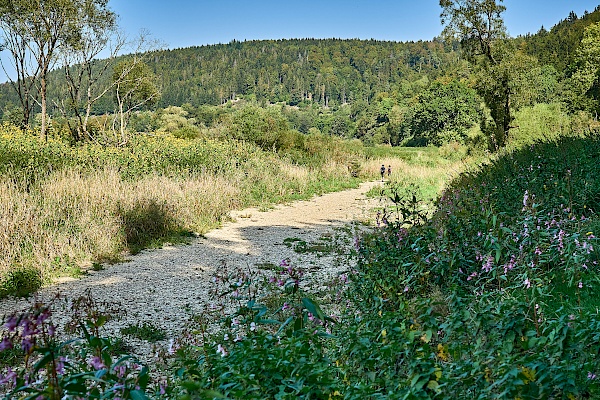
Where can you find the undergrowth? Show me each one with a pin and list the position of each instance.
(492, 296)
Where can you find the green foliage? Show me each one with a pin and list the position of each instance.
(496, 291)
(21, 282)
(443, 113)
(80, 368)
(542, 122)
(556, 46)
(263, 352)
(145, 331)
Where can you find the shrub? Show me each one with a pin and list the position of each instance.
(21, 282)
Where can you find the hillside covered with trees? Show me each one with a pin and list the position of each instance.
(411, 93)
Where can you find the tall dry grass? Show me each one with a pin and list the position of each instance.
(72, 218)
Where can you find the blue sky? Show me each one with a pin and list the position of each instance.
(181, 23)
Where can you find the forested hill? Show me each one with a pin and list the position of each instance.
(557, 46)
(329, 71)
(324, 71)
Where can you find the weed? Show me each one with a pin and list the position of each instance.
(145, 331)
(21, 282)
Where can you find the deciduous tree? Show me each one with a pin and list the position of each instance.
(35, 31)
(135, 86)
(479, 27)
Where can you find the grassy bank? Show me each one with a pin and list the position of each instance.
(64, 207)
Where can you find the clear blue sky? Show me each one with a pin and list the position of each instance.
(184, 23)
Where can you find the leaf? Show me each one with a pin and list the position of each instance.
(433, 385)
(313, 308)
(40, 364)
(100, 373)
(509, 342)
(211, 394)
(138, 395)
(285, 323)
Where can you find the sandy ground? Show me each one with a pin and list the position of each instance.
(165, 287)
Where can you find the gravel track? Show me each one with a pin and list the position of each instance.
(165, 286)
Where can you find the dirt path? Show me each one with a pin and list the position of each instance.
(164, 287)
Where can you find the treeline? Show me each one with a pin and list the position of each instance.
(557, 46)
(329, 72)
(411, 93)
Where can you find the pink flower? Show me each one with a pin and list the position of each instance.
(10, 377)
(580, 285)
(591, 375)
(5, 344)
(97, 363)
(11, 324)
(221, 350)
(527, 283)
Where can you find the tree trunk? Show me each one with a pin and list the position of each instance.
(43, 87)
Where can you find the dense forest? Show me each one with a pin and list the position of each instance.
(410, 93)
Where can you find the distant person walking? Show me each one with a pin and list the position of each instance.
(389, 171)
(382, 171)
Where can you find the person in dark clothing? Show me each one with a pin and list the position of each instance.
(389, 170)
(382, 171)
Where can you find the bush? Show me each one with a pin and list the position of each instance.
(21, 282)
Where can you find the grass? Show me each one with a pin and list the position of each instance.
(90, 204)
(145, 331)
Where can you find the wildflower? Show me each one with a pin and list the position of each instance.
(221, 350)
(10, 377)
(27, 344)
(11, 324)
(527, 283)
(487, 267)
(591, 376)
(97, 363)
(253, 326)
(60, 366)
(5, 344)
(580, 285)
(284, 263)
(120, 370)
